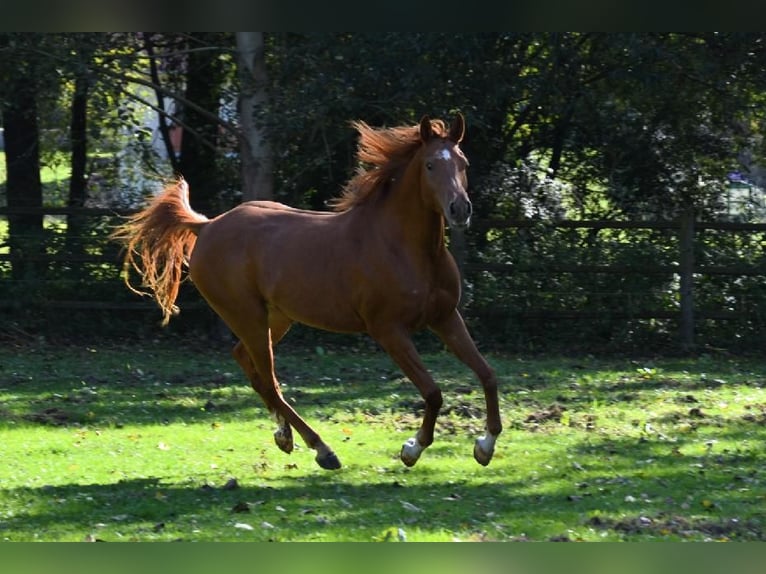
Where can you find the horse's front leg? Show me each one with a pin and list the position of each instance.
(453, 332)
(401, 349)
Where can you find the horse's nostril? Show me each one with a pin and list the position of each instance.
(460, 211)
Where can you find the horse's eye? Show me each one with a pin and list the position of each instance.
(429, 166)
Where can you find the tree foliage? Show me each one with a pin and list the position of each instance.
(650, 121)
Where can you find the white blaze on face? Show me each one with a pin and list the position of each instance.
(444, 154)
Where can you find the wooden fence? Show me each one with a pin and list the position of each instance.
(685, 228)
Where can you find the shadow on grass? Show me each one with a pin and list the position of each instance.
(620, 499)
(302, 508)
(91, 393)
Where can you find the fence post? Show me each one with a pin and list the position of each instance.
(686, 272)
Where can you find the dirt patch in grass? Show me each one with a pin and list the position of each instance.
(553, 413)
(53, 416)
(664, 526)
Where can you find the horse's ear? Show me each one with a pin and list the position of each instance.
(457, 129)
(425, 128)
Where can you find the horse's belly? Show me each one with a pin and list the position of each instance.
(338, 323)
(320, 304)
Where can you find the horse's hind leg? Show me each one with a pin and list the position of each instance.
(251, 326)
(279, 325)
(283, 436)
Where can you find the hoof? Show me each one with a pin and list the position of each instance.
(483, 449)
(283, 437)
(410, 452)
(328, 461)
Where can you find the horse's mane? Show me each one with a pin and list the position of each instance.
(382, 152)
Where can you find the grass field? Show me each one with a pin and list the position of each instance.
(152, 443)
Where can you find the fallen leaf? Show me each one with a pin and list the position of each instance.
(243, 526)
(409, 506)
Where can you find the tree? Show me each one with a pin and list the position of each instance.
(205, 73)
(255, 148)
(22, 151)
(83, 49)
(320, 82)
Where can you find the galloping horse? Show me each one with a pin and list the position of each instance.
(377, 264)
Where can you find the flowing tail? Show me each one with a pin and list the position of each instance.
(158, 242)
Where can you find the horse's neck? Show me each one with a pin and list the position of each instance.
(418, 226)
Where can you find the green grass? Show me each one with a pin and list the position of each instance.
(54, 178)
(53, 172)
(140, 443)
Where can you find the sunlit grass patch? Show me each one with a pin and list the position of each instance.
(155, 443)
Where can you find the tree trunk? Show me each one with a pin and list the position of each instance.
(77, 182)
(23, 187)
(198, 158)
(162, 120)
(257, 164)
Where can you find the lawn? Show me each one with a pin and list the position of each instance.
(150, 442)
(54, 177)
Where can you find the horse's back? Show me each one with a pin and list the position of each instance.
(264, 234)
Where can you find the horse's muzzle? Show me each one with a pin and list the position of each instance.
(459, 212)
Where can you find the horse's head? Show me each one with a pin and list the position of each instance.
(443, 178)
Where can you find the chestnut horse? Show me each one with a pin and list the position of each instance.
(377, 264)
